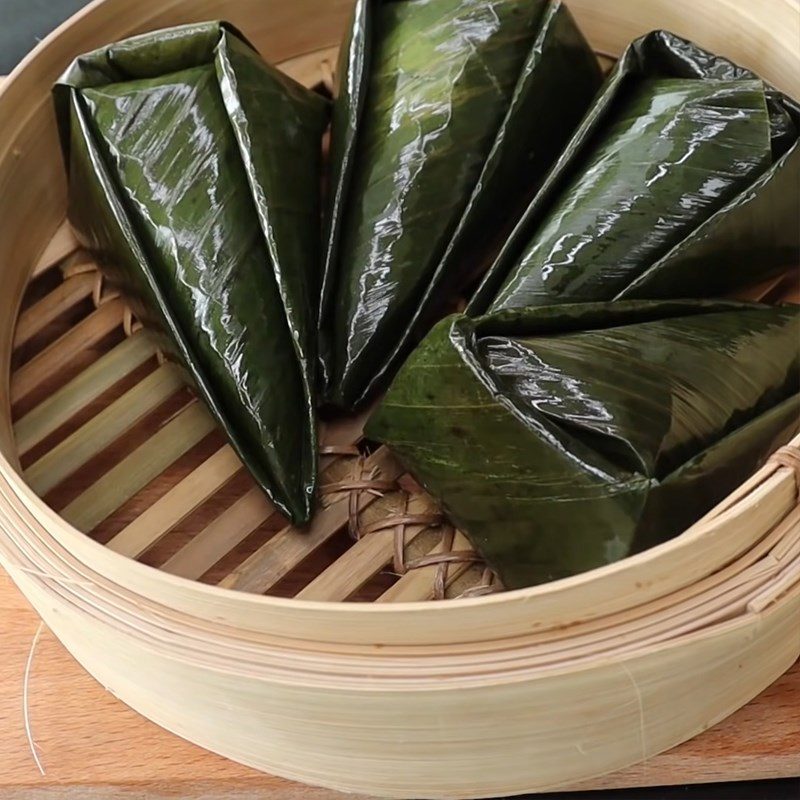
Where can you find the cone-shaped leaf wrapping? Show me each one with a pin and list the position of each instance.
(683, 180)
(449, 114)
(564, 438)
(194, 176)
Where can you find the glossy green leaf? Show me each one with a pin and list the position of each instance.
(193, 165)
(682, 181)
(449, 113)
(564, 438)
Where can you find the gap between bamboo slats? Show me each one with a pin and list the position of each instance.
(82, 390)
(103, 429)
(134, 472)
(87, 333)
(235, 523)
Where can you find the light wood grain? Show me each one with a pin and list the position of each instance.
(176, 504)
(220, 536)
(34, 319)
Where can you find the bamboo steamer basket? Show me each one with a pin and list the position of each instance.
(192, 603)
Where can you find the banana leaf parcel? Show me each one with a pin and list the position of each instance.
(683, 180)
(448, 116)
(194, 176)
(564, 438)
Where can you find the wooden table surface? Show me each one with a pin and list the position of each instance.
(93, 746)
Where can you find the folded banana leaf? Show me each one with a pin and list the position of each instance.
(449, 114)
(194, 176)
(683, 180)
(567, 437)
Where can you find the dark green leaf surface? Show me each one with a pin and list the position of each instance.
(682, 181)
(676, 151)
(449, 113)
(564, 438)
(194, 176)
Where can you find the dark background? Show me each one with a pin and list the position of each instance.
(25, 22)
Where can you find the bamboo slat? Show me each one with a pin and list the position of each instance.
(62, 245)
(136, 470)
(177, 504)
(82, 390)
(36, 318)
(85, 334)
(220, 536)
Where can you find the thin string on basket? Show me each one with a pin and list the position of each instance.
(788, 456)
(25, 708)
(442, 562)
(397, 523)
(368, 481)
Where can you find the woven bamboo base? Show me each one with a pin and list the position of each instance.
(107, 434)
